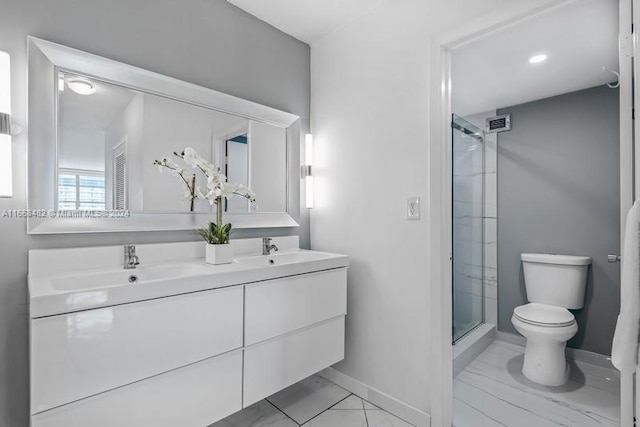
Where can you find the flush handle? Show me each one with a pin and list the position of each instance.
(613, 258)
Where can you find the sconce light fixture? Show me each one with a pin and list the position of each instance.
(6, 173)
(306, 172)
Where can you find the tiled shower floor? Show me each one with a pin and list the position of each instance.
(313, 402)
(491, 391)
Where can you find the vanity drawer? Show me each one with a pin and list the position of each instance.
(276, 307)
(273, 365)
(193, 396)
(81, 354)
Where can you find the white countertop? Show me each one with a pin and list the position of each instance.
(69, 280)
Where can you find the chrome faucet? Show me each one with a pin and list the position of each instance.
(267, 246)
(130, 257)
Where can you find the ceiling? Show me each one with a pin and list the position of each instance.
(307, 20)
(95, 111)
(494, 72)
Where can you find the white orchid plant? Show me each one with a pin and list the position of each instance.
(216, 189)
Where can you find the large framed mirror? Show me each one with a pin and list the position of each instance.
(98, 129)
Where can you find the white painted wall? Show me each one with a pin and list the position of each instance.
(126, 126)
(370, 97)
(267, 174)
(163, 192)
(81, 149)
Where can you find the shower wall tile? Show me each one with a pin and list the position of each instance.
(475, 228)
(490, 153)
(491, 195)
(488, 189)
(491, 311)
(490, 291)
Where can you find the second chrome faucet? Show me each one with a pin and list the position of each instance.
(130, 258)
(267, 246)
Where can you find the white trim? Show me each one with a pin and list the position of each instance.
(626, 60)
(87, 172)
(629, 15)
(110, 71)
(390, 404)
(439, 199)
(632, 43)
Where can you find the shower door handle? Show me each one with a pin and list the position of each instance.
(613, 258)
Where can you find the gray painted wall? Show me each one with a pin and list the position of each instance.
(558, 192)
(206, 42)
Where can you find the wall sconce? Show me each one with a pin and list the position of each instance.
(6, 173)
(306, 172)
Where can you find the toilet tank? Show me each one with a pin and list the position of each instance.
(558, 280)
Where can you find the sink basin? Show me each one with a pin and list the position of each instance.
(127, 277)
(283, 258)
(77, 279)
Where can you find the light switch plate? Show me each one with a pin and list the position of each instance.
(413, 208)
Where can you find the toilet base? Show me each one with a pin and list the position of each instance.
(545, 362)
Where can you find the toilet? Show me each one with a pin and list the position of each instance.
(554, 284)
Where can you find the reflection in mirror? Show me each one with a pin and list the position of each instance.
(110, 135)
(96, 126)
(237, 169)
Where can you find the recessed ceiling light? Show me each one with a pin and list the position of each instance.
(81, 87)
(538, 58)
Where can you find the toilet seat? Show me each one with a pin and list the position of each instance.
(544, 315)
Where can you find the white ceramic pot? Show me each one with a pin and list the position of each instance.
(219, 254)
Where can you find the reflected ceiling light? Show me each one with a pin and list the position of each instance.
(61, 83)
(6, 173)
(535, 59)
(82, 87)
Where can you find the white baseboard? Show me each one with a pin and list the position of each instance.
(390, 404)
(578, 355)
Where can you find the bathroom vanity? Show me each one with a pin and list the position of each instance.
(185, 343)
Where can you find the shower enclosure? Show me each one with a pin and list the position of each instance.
(468, 226)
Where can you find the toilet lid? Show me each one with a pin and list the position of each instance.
(544, 315)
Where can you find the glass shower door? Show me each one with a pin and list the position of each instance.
(468, 226)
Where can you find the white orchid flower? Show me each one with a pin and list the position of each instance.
(203, 164)
(217, 186)
(246, 192)
(190, 157)
(210, 170)
(208, 196)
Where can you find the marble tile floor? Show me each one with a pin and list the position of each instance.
(491, 391)
(313, 402)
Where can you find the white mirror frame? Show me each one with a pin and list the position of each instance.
(47, 58)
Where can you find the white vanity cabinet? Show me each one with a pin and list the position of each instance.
(187, 359)
(294, 327)
(144, 363)
(77, 355)
(192, 396)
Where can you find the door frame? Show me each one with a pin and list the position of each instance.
(440, 198)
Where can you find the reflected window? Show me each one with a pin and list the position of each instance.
(81, 190)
